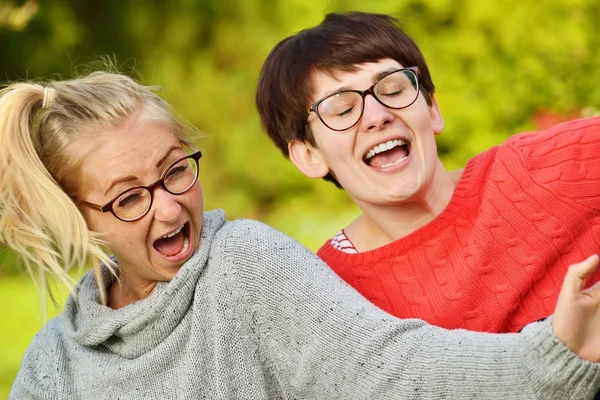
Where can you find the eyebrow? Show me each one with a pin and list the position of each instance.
(130, 178)
(375, 78)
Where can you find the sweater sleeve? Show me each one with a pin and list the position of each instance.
(35, 379)
(322, 340)
(563, 161)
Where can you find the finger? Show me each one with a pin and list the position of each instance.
(587, 267)
(593, 291)
(574, 280)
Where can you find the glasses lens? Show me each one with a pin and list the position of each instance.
(398, 90)
(181, 176)
(341, 110)
(132, 204)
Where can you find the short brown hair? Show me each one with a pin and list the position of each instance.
(339, 43)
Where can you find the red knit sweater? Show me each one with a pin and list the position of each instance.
(495, 259)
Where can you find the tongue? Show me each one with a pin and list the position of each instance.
(388, 157)
(170, 246)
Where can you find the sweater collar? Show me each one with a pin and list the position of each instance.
(138, 327)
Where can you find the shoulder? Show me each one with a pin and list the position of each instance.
(49, 339)
(249, 228)
(40, 362)
(249, 234)
(257, 250)
(565, 136)
(563, 158)
(49, 336)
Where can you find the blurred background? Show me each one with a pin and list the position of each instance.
(500, 67)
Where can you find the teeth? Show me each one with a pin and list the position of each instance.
(186, 244)
(390, 144)
(168, 235)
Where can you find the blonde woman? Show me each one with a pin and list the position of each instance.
(182, 304)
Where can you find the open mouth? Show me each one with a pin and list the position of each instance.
(174, 243)
(387, 154)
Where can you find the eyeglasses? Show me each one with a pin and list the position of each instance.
(342, 110)
(134, 203)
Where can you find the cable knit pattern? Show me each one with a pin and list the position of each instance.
(495, 259)
(255, 315)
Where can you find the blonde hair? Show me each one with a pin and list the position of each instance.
(43, 130)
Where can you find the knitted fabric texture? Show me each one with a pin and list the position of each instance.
(255, 315)
(496, 257)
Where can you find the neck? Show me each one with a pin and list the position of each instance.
(383, 224)
(123, 292)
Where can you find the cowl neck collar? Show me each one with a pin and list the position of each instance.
(138, 327)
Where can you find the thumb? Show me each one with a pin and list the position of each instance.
(575, 278)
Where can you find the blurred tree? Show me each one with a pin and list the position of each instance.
(16, 17)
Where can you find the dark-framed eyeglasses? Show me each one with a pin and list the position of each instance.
(342, 110)
(134, 203)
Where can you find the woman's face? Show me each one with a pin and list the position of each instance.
(390, 156)
(154, 247)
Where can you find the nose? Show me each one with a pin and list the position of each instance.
(165, 205)
(375, 115)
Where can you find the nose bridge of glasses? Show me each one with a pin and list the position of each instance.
(368, 105)
(165, 205)
(343, 110)
(158, 184)
(374, 111)
(164, 193)
(130, 202)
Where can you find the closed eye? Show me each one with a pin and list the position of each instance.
(129, 200)
(392, 94)
(344, 112)
(176, 171)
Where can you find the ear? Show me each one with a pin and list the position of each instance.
(307, 159)
(437, 121)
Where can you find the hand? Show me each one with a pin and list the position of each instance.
(576, 319)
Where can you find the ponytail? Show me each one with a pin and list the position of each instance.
(38, 219)
(44, 138)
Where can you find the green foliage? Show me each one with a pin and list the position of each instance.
(495, 65)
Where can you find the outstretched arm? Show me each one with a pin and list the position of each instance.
(321, 339)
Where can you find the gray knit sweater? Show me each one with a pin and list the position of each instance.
(255, 315)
